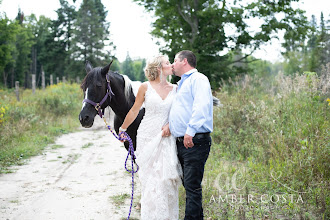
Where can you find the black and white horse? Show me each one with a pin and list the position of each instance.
(96, 86)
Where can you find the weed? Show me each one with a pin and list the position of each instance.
(119, 199)
(27, 126)
(269, 156)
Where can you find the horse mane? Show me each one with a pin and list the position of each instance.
(84, 82)
(128, 86)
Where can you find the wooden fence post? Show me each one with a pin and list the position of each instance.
(63, 79)
(51, 79)
(43, 83)
(57, 80)
(33, 83)
(17, 90)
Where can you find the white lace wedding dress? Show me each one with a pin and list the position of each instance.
(156, 156)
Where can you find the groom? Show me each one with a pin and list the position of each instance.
(191, 122)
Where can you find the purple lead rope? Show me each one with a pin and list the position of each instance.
(130, 152)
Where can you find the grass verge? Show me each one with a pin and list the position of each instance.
(29, 125)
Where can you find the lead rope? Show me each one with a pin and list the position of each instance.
(130, 152)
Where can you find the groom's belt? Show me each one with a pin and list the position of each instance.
(197, 136)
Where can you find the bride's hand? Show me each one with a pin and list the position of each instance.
(166, 130)
(122, 136)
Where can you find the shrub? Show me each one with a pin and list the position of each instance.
(275, 132)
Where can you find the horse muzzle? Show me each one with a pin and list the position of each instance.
(85, 120)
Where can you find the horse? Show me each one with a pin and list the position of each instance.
(103, 88)
(96, 85)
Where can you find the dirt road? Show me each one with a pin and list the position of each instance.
(81, 176)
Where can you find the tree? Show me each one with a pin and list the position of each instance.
(18, 68)
(58, 41)
(91, 34)
(65, 22)
(128, 69)
(115, 66)
(142, 77)
(213, 28)
(8, 34)
(138, 66)
(41, 29)
(24, 42)
(309, 54)
(324, 41)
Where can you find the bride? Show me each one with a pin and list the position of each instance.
(156, 153)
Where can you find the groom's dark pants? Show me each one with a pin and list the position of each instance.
(193, 161)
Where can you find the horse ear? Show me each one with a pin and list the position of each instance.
(88, 66)
(106, 69)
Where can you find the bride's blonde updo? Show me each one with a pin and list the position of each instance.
(151, 69)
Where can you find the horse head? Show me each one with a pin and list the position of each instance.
(94, 87)
(120, 98)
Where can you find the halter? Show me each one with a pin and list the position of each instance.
(109, 94)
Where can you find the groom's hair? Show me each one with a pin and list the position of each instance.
(190, 56)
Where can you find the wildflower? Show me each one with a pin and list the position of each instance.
(328, 100)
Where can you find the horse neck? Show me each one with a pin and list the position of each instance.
(120, 108)
(120, 105)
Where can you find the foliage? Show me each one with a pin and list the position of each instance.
(270, 149)
(59, 42)
(134, 69)
(261, 68)
(58, 47)
(308, 54)
(91, 32)
(128, 69)
(138, 66)
(27, 126)
(217, 30)
(8, 50)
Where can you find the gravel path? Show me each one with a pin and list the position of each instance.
(81, 176)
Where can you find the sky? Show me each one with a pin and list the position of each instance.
(130, 24)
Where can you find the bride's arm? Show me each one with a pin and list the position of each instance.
(134, 111)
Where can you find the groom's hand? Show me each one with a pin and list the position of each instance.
(187, 141)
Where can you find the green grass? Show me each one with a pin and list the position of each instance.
(87, 145)
(270, 153)
(71, 158)
(28, 126)
(119, 199)
(56, 146)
